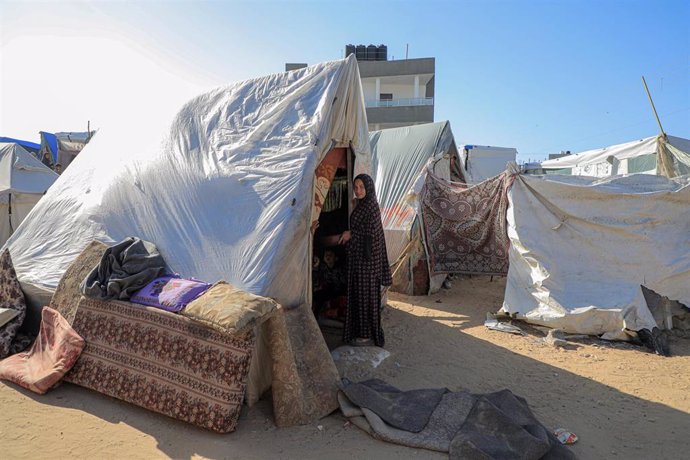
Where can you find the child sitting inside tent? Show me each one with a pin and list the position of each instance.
(329, 283)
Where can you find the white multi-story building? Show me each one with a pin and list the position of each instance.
(398, 93)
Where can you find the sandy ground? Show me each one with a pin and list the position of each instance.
(622, 401)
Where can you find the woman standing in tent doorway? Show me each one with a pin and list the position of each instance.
(367, 266)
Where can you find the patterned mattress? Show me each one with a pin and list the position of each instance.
(162, 362)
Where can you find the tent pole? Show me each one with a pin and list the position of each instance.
(9, 214)
(653, 107)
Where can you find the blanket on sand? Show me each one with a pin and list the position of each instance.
(466, 425)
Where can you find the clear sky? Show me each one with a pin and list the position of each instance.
(541, 76)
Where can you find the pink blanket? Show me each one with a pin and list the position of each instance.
(54, 352)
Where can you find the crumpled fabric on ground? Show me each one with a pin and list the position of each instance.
(52, 355)
(501, 425)
(479, 426)
(406, 410)
(124, 269)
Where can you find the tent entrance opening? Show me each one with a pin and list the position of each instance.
(329, 260)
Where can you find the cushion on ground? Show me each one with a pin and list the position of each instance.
(54, 352)
(163, 362)
(229, 309)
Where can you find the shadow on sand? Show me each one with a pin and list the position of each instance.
(482, 367)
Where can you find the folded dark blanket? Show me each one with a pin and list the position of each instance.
(496, 425)
(124, 269)
(406, 410)
(501, 425)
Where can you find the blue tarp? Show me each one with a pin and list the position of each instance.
(51, 140)
(30, 146)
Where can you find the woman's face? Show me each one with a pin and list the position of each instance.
(360, 191)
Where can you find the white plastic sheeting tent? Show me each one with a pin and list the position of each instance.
(399, 160)
(23, 181)
(629, 158)
(581, 249)
(227, 194)
(480, 162)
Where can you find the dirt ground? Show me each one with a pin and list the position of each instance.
(621, 400)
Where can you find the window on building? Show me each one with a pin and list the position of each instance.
(386, 96)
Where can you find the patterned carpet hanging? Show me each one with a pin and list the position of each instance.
(465, 227)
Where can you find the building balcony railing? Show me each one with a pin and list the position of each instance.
(401, 102)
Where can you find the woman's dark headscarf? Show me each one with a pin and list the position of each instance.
(370, 189)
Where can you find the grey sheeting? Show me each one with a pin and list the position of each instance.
(492, 426)
(445, 421)
(406, 410)
(501, 425)
(124, 269)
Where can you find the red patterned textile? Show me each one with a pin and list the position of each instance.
(54, 352)
(324, 174)
(163, 362)
(465, 227)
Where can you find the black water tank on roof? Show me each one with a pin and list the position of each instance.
(382, 54)
(361, 53)
(372, 53)
(349, 49)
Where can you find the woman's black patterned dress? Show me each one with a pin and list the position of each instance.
(367, 269)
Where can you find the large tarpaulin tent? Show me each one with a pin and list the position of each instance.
(400, 157)
(629, 158)
(228, 194)
(30, 147)
(581, 249)
(23, 181)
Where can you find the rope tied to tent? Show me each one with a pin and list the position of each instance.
(9, 212)
(671, 162)
(560, 224)
(558, 213)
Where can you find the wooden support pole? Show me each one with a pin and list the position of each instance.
(653, 107)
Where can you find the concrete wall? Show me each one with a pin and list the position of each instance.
(407, 115)
(401, 67)
(430, 87)
(399, 91)
(369, 90)
(294, 66)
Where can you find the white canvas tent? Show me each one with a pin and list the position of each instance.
(581, 250)
(228, 193)
(400, 157)
(629, 158)
(23, 181)
(481, 162)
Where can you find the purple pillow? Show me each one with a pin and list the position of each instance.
(170, 292)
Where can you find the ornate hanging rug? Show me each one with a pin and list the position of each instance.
(465, 226)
